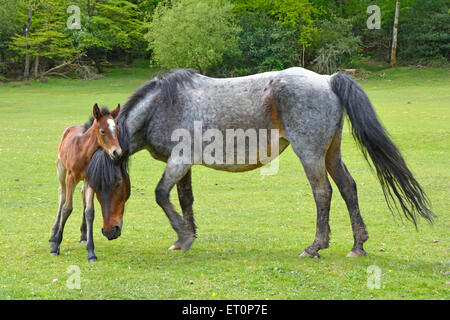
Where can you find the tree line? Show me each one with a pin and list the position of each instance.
(78, 38)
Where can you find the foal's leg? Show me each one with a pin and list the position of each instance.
(66, 210)
(83, 228)
(89, 214)
(173, 173)
(347, 188)
(61, 170)
(317, 176)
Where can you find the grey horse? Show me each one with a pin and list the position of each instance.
(306, 109)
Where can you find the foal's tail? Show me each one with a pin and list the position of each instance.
(398, 183)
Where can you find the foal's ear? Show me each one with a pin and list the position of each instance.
(115, 112)
(96, 112)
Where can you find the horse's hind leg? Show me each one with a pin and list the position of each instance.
(173, 173)
(347, 188)
(66, 210)
(317, 176)
(61, 170)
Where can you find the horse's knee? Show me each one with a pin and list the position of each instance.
(67, 210)
(162, 196)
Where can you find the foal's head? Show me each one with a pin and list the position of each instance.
(107, 131)
(111, 184)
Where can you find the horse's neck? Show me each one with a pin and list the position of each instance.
(137, 122)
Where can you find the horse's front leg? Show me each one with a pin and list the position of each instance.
(89, 216)
(83, 227)
(186, 198)
(173, 173)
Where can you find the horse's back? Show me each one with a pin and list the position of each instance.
(250, 101)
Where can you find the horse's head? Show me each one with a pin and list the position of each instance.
(112, 200)
(107, 131)
(111, 184)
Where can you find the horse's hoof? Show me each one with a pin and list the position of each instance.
(92, 259)
(356, 253)
(83, 241)
(186, 245)
(305, 254)
(175, 247)
(54, 254)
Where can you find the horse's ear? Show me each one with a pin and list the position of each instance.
(96, 112)
(116, 111)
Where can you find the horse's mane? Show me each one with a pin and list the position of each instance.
(102, 172)
(87, 125)
(168, 84)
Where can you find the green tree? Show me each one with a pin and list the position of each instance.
(107, 25)
(11, 23)
(265, 44)
(192, 33)
(336, 45)
(425, 38)
(44, 35)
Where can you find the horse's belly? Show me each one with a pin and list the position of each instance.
(247, 164)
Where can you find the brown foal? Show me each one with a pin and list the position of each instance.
(74, 154)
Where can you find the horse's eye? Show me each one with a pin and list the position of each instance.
(102, 132)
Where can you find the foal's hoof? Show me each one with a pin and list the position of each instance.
(356, 253)
(92, 259)
(54, 253)
(305, 254)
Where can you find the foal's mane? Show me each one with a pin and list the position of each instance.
(87, 125)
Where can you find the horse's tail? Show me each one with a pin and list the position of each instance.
(398, 183)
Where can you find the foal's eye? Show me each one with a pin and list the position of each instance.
(102, 132)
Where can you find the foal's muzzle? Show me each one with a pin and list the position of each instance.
(114, 233)
(115, 154)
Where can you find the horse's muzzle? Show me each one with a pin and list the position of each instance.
(114, 233)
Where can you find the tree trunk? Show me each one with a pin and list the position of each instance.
(394, 36)
(26, 72)
(98, 65)
(303, 56)
(36, 66)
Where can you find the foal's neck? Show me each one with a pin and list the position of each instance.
(89, 141)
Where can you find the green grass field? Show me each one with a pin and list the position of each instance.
(251, 227)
